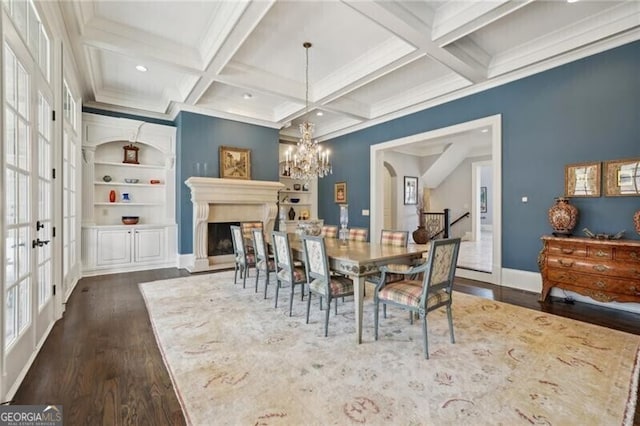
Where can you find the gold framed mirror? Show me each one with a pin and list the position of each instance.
(582, 179)
(622, 177)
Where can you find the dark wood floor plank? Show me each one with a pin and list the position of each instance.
(102, 363)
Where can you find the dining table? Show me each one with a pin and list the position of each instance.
(359, 260)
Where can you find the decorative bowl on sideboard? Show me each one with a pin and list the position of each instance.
(130, 220)
(131, 180)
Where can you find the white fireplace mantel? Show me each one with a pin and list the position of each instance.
(227, 200)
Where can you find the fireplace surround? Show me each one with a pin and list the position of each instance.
(227, 200)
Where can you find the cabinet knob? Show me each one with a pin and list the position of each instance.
(600, 268)
(600, 284)
(566, 251)
(565, 262)
(634, 255)
(601, 253)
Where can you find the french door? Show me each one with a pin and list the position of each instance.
(28, 224)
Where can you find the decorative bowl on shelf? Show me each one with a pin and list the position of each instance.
(131, 180)
(296, 187)
(130, 220)
(106, 178)
(294, 200)
(154, 181)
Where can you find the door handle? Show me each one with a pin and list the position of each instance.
(38, 242)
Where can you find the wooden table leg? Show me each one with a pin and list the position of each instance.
(358, 295)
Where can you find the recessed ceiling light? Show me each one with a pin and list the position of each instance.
(247, 96)
(319, 113)
(141, 68)
(572, 1)
(484, 130)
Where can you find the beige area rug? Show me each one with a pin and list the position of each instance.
(236, 360)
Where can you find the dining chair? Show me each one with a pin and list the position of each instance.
(264, 262)
(243, 259)
(358, 234)
(247, 228)
(288, 272)
(319, 278)
(422, 297)
(392, 238)
(329, 231)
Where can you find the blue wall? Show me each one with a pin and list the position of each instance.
(588, 110)
(197, 141)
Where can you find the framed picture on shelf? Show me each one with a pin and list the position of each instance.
(622, 177)
(340, 192)
(235, 163)
(582, 180)
(410, 190)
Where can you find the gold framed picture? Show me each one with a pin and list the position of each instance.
(622, 177)
(340, 192)
(235, 163)
(582, 179)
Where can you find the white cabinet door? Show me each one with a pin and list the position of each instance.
(114, 247)
(149, 245)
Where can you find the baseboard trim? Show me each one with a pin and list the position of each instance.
(185, 260)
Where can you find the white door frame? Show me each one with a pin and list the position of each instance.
(494, 123)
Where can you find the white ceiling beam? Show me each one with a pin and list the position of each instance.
(403, 24)
(244, 26)
(454, 20)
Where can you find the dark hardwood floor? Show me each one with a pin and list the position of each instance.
(101, 361)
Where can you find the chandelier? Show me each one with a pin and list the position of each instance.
(309, 160)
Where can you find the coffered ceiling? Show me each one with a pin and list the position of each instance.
(371, 61)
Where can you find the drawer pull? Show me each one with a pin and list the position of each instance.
(566, 250)
(634, 255)
(601, 253)
(565, 262)
(600, 284)
(600, 268)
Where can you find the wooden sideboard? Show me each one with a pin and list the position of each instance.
(605, 270)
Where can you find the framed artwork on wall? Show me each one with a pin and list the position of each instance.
(340, 192)
(622, 177)
(410, 190)
(582, 180)
(235, 163)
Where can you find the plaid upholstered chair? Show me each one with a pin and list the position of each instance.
(247, 229)
(422, 297)
(288, 272)
(243, 259)
(392, 238)
(319, 278)
(264, 262)
(358, 234)
(329, 231)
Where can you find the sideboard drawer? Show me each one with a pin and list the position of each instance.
(628, 254)
(561, 249)
(600, 252)
(599, 283)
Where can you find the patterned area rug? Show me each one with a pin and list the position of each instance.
(234, 359)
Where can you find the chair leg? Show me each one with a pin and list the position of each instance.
(257, 275)
(424, 336)
(244, 278)
(266, 283)
(308, 305)
(277, 291)
(235, 273)
(411, 317)
(291, 299)
(326, 317)
(453, 339)
(375, 319)
(335, 304)
(384, 310)
(320, 302)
